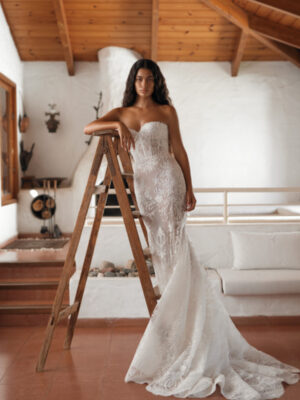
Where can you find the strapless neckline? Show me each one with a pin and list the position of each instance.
(146, 123)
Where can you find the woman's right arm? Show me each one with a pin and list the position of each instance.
(111, 120)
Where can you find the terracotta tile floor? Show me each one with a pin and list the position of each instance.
(95, 366)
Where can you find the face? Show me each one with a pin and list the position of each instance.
(144, 82)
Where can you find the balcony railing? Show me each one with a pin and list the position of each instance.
(278, 211)
(274, 212)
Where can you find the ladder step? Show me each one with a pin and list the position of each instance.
(100, 189)
(112, 132)
(127, 174)
(147, 252)
(156, 291)
(116, 206)
(68, 310)
(136, 214)
(113, 191)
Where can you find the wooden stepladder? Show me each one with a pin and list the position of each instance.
(108, 145)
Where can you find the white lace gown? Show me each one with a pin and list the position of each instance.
(190, 343)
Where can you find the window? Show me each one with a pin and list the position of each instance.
(8, 141)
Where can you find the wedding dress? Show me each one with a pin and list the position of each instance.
(190, 343)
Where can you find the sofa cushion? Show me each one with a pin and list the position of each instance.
(266, 250)
(260, 282)
(288, 210)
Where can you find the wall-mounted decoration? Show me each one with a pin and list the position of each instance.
(96, 108)
(23, 118)
(52, 123)
(23, 123)
(25, 157)
(43, 207)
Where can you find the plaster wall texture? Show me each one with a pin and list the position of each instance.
(12, 67)
(240, 131)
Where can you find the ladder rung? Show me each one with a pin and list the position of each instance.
(136, 214)
(127, 174)
(156, 291)
(112, 132)
(110, 206)
(100, 189)
(113, 190)
(116, 206)
(68, 310)
(147, 252)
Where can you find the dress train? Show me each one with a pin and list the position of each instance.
(190, 343)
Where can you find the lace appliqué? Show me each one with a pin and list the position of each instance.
(190, 343)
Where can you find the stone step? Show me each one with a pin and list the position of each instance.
(28, 284)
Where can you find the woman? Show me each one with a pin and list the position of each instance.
(190, 343)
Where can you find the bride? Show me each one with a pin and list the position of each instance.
(190, 344)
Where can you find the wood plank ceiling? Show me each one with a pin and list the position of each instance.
(164, 30)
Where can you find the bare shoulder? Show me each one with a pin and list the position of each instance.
(171, 114)
(123, 111)
(169, 109)
(120, 111)
(112, 115)
(117, 114)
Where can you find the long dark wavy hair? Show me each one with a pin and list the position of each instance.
(160, 93)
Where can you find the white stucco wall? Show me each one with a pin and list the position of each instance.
(238, 131)
(12, 67)
(57, 154)
(241, 131)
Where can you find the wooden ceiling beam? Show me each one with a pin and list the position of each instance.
(230, 11)
(276, 31)
(239, 17)
(290, 7)
(289, 53)
(235, 64)
(64, 34)
(154, 29)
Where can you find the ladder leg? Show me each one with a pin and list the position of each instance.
(88, 258)
(131, 229)
(69, 262)
(127, 166)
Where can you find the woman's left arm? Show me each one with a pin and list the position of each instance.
(181, 157)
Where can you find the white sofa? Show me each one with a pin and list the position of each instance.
(266, 289)
(247, 292)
